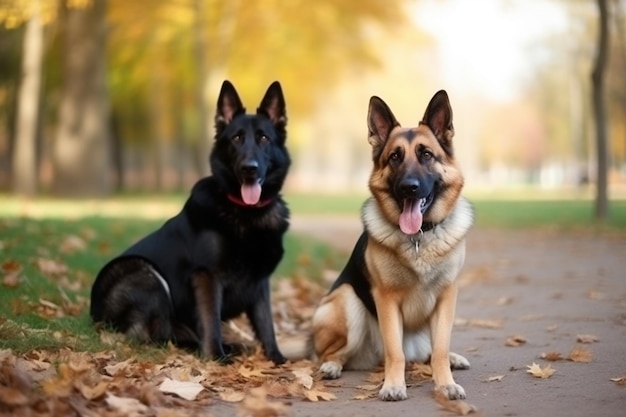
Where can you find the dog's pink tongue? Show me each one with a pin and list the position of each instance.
(251, 193)
(411, 217)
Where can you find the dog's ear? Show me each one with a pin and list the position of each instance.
(228, 106)
(438, 117)
(273, 105)
(380, 122)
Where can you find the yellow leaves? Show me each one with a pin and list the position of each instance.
(539, 372)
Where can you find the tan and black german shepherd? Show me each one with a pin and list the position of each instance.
(395, 299)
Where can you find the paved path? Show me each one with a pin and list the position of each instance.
(545, 287)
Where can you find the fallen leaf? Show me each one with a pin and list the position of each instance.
(486, 324)
(552, 356)
(368, 387)
(11, 266)
(248, 371)
(459, 407)
(515, 341)
(231, 396)
(619, 381)
(496, 378)
(11, 280)
(12, 397)
(304, 378)
(256, 404)
(91, 393)
(185, 389)
(580, 354)
(539, 372)
(126, 406)
(51, 267)
(72, 244)
(315, 394)
(587, 338)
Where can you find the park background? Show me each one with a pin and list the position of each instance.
(99, 97)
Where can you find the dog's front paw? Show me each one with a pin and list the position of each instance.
(452, 391)
(331, 370)
(397, 393)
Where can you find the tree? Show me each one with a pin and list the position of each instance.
(598, 101)
(24, 163)
(82, 150)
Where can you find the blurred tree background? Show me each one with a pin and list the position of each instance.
(100, 96)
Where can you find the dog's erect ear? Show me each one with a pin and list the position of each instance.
(273, 105)
(438, 117)
(228, 106)
(380, 122)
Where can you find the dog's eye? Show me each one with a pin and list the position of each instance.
(236, 139)
(394, 156)
(427, 155)
(263, 139)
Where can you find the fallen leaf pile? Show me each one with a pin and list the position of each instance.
(115, 383)
(80, 383)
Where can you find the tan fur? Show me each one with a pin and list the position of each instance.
(414, 291)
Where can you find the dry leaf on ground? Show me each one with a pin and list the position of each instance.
(256, 404)
(485, 324)
(515, 341)
(620, 381)
(231, 396)
(496, 378)
(587, 338)
(185, 389)
(127, 406)
(459, 407)
(552, 356)
(580, 354)
(539, 372)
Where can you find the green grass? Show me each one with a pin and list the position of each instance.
(28, 322)
(559, 214)
(48, 307)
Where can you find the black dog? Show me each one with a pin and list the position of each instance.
(213, 260)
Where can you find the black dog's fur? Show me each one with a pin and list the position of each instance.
(217, 254)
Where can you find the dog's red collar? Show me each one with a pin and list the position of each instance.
(238, 201)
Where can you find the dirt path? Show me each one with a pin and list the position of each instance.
(547, 288)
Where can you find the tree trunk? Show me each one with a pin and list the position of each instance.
(24, 164)
(82, 151)
(204, 144)
(597, 77)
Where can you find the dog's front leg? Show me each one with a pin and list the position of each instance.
(391, 329)
(208, 297)
(441, 323)
(260, 315)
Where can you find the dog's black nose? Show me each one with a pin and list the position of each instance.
(409, 187)
(249, 168)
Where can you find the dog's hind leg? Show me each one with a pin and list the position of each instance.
(340, 333)
(130, 297)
